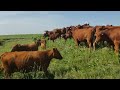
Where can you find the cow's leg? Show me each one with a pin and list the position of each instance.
(76, 42)
(86, 44)
(7, 73)
(65, 39)
(116, 47)
(60, 37)
(95, 42)
(48, 38)
(45, 66)
(89, 43)
(53, 40)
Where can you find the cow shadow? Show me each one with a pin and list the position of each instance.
(48, 76)
(102, 45)
(38, 76)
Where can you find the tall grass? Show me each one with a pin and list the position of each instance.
(77, 63)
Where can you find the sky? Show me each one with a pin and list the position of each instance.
(36, 22)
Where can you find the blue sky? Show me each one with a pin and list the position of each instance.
(33, 22)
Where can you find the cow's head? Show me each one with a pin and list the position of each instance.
(63, 36)
(63, 30)
(17, 46)
(38, 42)
(56, 54)
(69, 34)
(45, 34)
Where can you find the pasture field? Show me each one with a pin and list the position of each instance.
(77, 63)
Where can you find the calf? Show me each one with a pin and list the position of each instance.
(27, 61)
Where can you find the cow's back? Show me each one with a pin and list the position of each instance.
(114, 33)
(20, 60)
(82, 33)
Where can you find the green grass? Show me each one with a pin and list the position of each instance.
(77, 63)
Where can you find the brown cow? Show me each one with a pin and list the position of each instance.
(83, 35)
(99, 29)
(27, 61)
(27, 47)
(67, 35)
(63, 30)
(47, 33)
(111, 35)
(57, 30)
(53, 37)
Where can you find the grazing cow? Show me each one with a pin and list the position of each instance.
(63, 30)
(58, 32)
(53, 37)
(67, 35)
(47, 33)
(98, 30)
(43, 43)
(111, 35)
(27, 61)
(27, 47)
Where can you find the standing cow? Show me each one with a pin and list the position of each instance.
(110, 34)
(83, 35)
(28, 60)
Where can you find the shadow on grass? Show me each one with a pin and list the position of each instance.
(49, 76)
(38, 76)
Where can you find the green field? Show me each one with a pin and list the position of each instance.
(77, 63)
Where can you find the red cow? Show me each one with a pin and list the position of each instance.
(27, 61)
(109, 34)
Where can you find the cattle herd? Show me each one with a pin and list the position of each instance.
(91, 35)
(26, 57)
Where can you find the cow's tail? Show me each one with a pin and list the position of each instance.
(93, 35)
